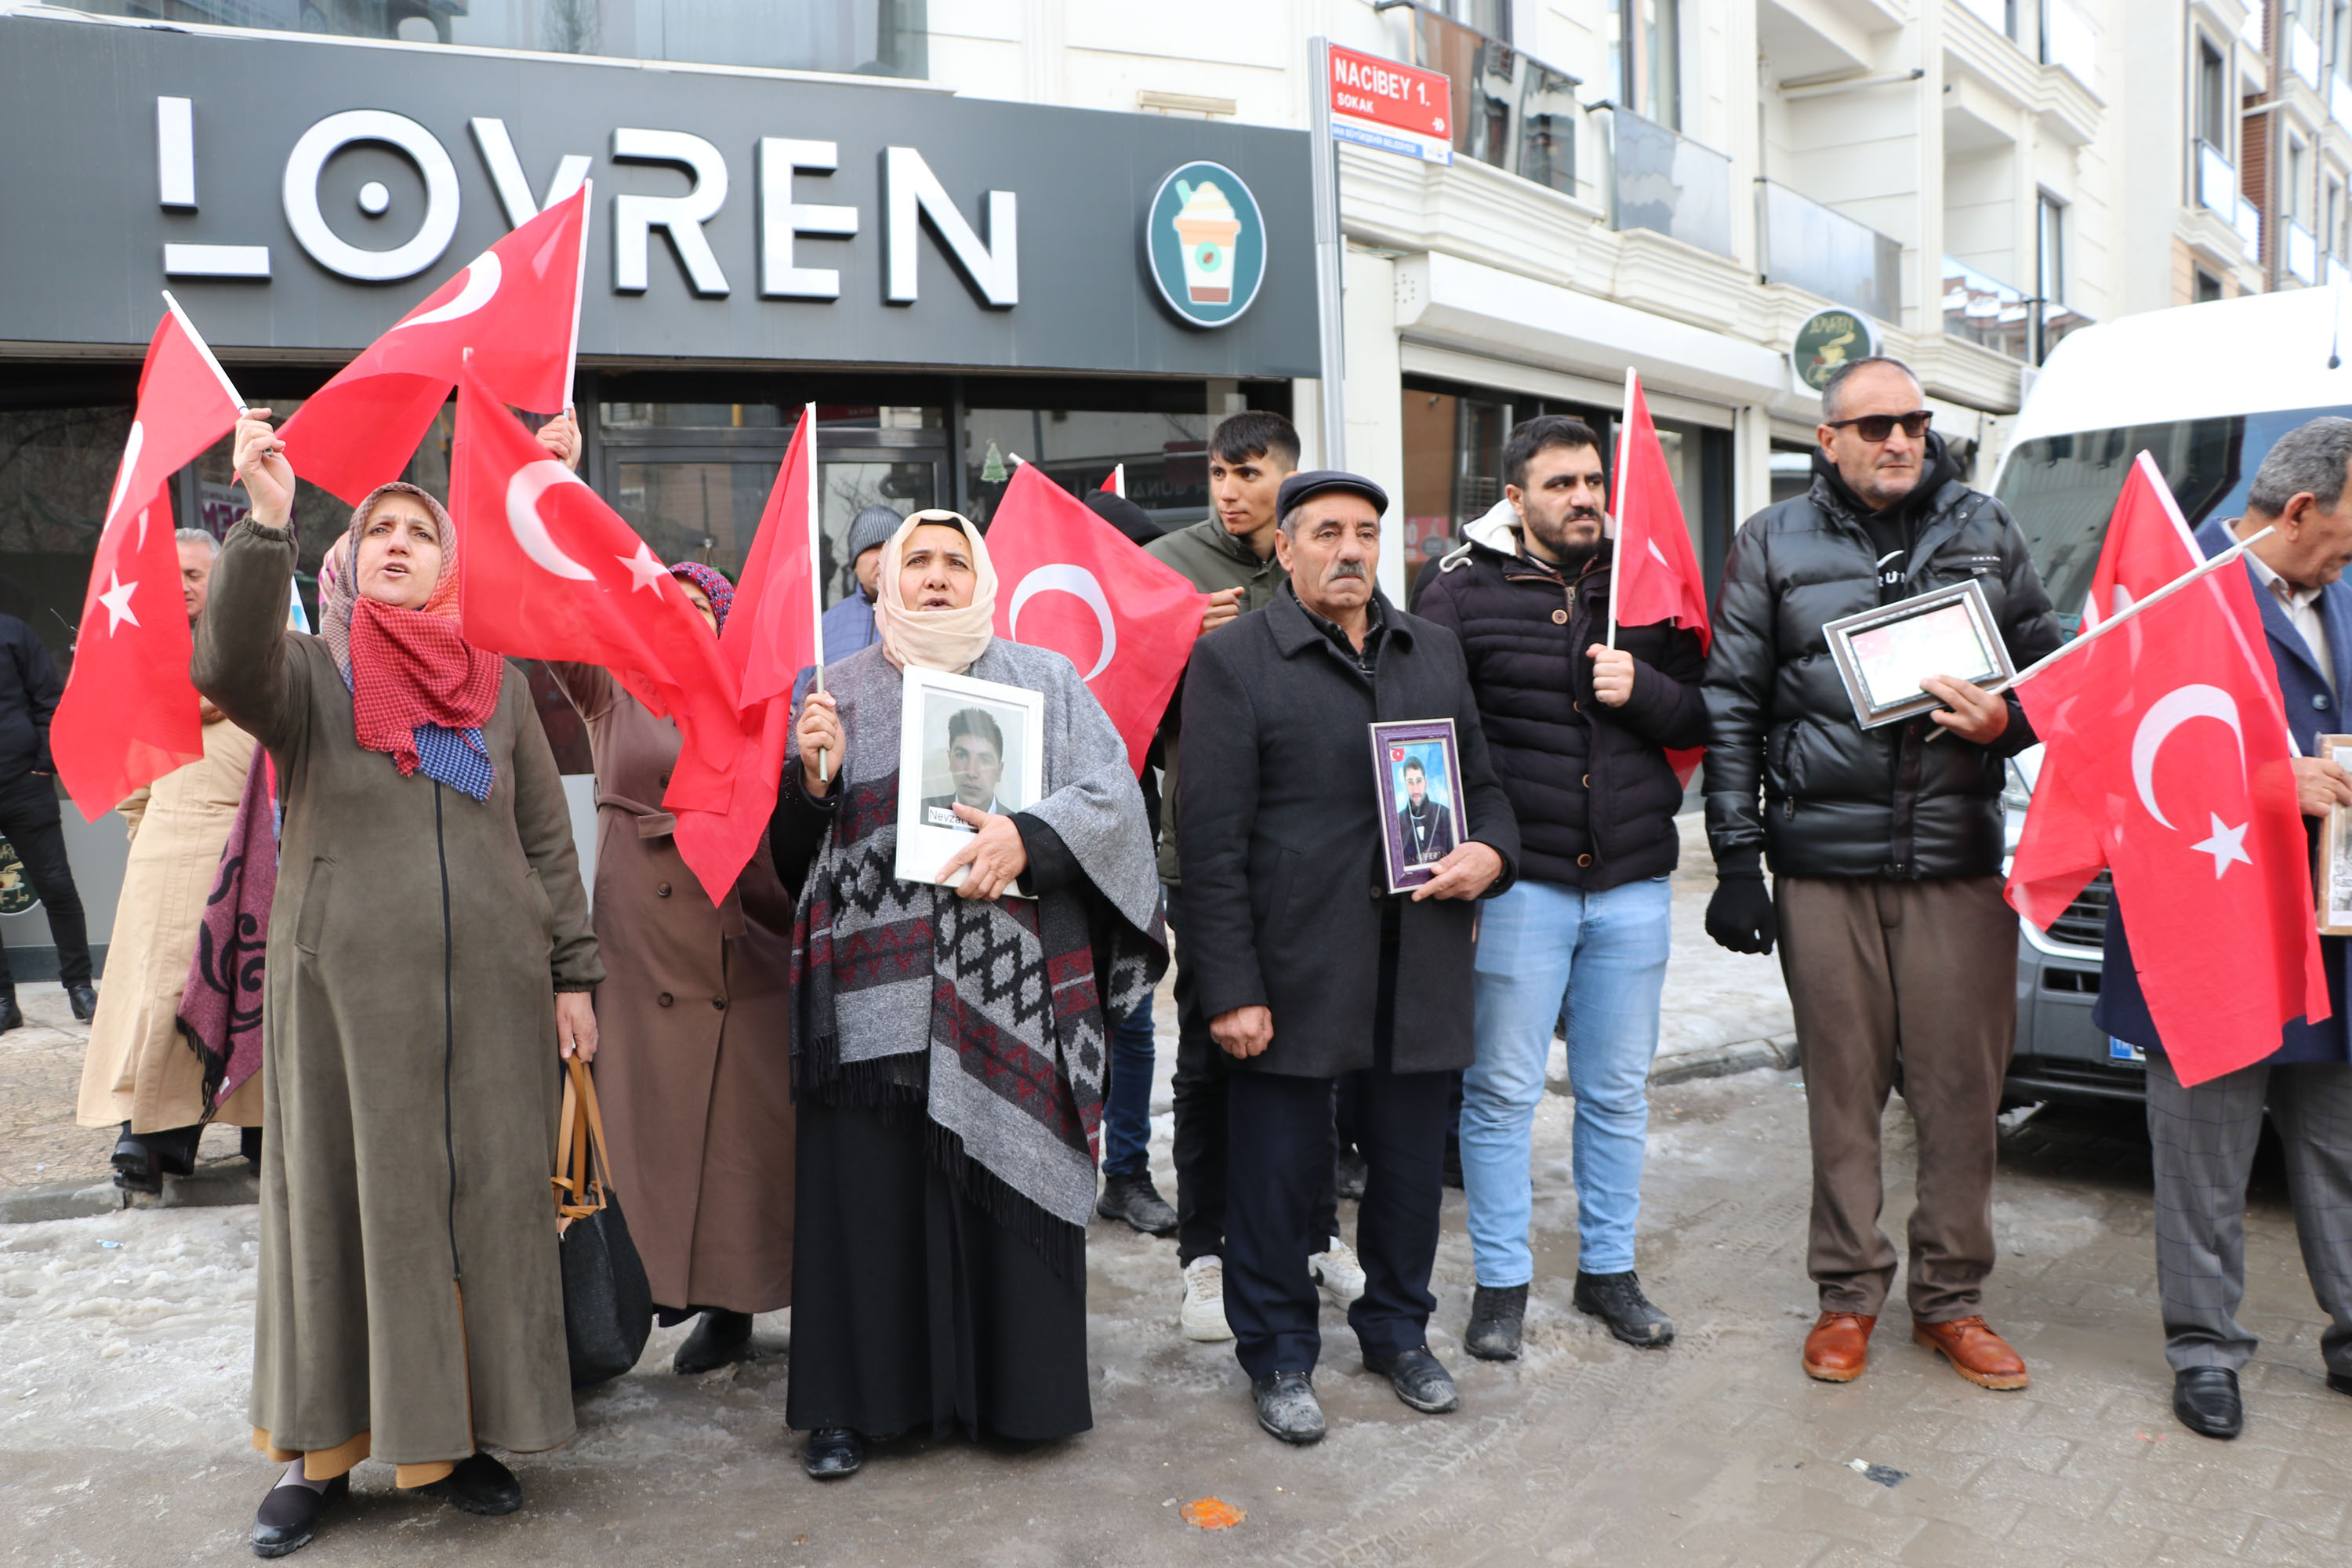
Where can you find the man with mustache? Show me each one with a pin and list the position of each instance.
(1580, 733)
(1295, 940)
(1887, 845)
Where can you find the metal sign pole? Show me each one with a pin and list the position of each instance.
(1330, 252)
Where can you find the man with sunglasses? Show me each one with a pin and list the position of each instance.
(1885, 847)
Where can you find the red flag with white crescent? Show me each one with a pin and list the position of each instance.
(130, 712)
(2169, 757)
(517, 306)
(1070, 582)
(1653, 573)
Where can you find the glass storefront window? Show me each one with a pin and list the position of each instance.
(1166, 454)
(57, 472)
(867, 37)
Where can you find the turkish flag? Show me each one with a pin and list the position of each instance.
(548, 571)
(1070, 582)
(2169, 758)
(772, 635)
(517, 306)
(1654, 574)
(129, 714)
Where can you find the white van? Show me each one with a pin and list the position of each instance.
(2206, 389)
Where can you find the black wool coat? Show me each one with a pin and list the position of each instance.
(1595, 794)
(1280, 835)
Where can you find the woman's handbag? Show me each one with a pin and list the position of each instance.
(608, 1308)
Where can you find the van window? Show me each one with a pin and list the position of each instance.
(2061, 489)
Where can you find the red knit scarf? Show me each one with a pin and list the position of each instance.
(410, 669)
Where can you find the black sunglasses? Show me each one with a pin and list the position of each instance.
(1876, 428)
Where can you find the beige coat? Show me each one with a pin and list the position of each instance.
(409, 1301)
(694, 1019)
(139, 1068)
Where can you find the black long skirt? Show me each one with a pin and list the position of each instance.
(913, 1309)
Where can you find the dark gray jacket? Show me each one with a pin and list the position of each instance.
(1284, 877)
(1838, 800)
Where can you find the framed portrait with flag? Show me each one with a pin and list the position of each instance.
(1418, 771)
(2331, 873)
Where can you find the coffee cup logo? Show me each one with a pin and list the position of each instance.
(1204, 243)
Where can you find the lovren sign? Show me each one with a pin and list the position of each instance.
(739, 216)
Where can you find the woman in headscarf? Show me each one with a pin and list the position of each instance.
(949, 1050)
(429, 955)
(693, 1066)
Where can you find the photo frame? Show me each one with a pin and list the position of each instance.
(1417, 769)
(2331, 870)
(960, 740)
(1882, 654)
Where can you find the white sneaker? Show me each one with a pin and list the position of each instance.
(1336, 1270)
(1203, 1315)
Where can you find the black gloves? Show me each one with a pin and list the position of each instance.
(1739, 916)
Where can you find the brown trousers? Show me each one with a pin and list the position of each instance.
(1930, 970)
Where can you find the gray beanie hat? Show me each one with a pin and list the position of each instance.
(871, 530)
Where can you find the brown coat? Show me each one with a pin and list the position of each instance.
(408, 1292)
(693, 1059)
(140, 1068)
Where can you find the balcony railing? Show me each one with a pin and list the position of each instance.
(2217, 181)
(1997, 14)
(2302, 253)
(2056, 322)
(2248, 222)
(1987, 312)
(2071, 43)
(1819, 249)
(2250, 31)
(1670, 183)
(2303, 53)
(2339, 99)
(1510, 110)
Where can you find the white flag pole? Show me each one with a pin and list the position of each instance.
(578, 289)
(1617, 545)
(1119, 481)
(816, 576)
(2125, 615)
(204, 348)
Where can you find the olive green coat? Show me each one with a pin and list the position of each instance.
(411, 1080)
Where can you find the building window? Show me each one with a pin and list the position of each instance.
(1646, 57)
(2293, 196)
(2208, 288)
(2212, 98)
(2049, 249)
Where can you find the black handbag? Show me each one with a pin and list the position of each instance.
(608, 1308)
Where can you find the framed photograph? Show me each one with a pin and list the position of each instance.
(1884, 653)
(2331, 875)
(1418, 772)
(975, 742)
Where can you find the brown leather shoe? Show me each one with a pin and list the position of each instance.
(1975, 1352)
(1839, 1347)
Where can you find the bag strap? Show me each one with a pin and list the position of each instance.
(581, 1172)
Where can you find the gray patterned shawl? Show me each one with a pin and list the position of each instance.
(991, 1014)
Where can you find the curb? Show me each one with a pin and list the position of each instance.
(1776, 1051)
(216, 1184)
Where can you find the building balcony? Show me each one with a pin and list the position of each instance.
(2339, 101)
(1663, 181)
(2301, 254)
(2303, 55)
(2217, 181)
(1991, 314)
(1820, 250)
(2063, 94)
(1511, 111)
(2070, 42)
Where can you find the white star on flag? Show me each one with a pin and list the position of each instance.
(646, 571)
(117, 600)
(2226, 845)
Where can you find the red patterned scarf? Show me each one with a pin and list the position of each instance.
(411, 668)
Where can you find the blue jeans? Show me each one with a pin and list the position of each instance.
(1606, 954)
(1127, 1113)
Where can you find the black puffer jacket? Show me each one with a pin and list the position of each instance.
(1838, 800)
(1594, 794)
(29, 691)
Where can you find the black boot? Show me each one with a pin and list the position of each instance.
(248, 1144)
(1617, 1301)
(84, 999)
(720, 1338)
(1134, 1199)
(1349, 1174)
(478, 1485)
(10, 1016)
(1496, 1315)
(141, 1160)
(833, 1453)
(289, 1517)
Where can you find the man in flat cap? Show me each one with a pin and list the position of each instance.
(1294, 939)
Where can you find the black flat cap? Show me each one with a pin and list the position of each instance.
(1301, 488)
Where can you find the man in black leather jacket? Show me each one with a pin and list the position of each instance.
(1885, 845)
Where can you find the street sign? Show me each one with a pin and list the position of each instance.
(1395, 108)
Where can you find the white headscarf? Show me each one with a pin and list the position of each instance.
(935, 640)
